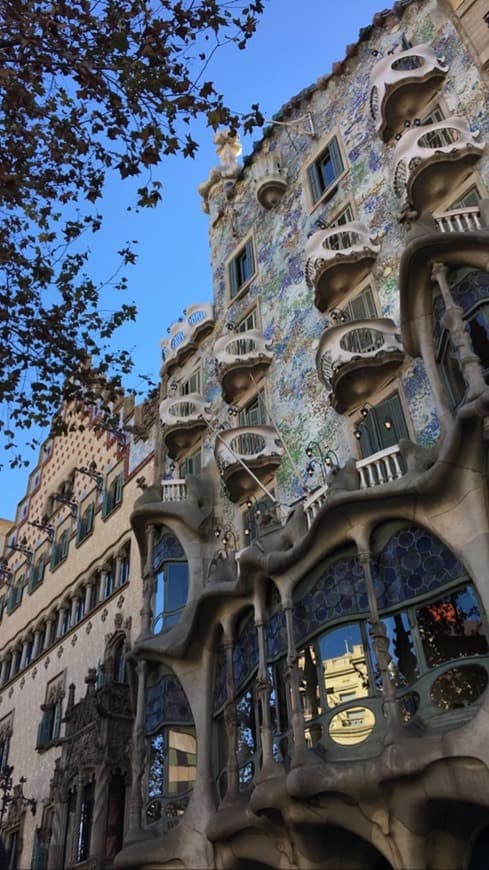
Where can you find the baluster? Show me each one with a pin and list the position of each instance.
(363, 479)
(371, 480)
(459, 223)
(397, 465)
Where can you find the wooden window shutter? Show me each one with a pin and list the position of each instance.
(315, 181)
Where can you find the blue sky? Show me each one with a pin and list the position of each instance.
(296, 42)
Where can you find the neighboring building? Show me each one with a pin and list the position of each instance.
(309, 653)
(70, 600)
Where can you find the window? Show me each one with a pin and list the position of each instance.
(192, 384)
(470, 290)
(383, 426)
(52, 711)
(171, 586)
(85, 822)
(15, 593)
(254, 414)
(362, 307)
(5, 735)
(241, 269)
(113, 495)
(437, 138)
(109, 580)
(248, 322)
(470, 198)
(37, 572)
(325, 169)
(259, 515)
(172, 749)
(124, 568)
(191, 465)
(59, 550)
(85, 523)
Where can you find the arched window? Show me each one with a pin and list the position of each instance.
(172, 749)
(171, 580)
(245, 665)
(470, 291)
(120, 673)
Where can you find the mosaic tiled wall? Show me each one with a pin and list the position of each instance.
(290, 321)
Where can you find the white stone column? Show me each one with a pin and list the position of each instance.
(4, 670)
(88, 595)
(50, 621)
(35, 646)
(61, 616)
(74, 607)
(23, 655)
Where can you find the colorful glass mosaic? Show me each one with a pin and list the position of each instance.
(413, 563)
(166, 702)
(276, 635)
(166, 546)
(245, 651)
(340, 591)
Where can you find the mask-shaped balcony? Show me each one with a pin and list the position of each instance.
(185, 334)
(431, 160)
(337, 260)
(239, 358)
(401, 85)
(183, 418)
(269, 175)
(354, 359)
(258, 447)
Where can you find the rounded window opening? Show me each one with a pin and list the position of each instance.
(171, 573)
(172, 749)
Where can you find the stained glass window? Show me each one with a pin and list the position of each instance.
(413, 563)
(245, 651)
(220, 692)
(339, 591)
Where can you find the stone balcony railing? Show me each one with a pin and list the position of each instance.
(355, 357)
(337, 259)
(239, 359)
(431, 159)
(460, 220)
(402, 85)
(183, 418)
(245, 449)
(375, 470)
(173, 490)
(185, 333)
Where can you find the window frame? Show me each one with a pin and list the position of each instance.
(237, 284)
(113, 493)
(319, 189)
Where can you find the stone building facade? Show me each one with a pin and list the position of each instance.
(308, 650)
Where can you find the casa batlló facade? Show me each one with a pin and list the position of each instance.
(292, 670)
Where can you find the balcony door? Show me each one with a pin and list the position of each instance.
(383, 426)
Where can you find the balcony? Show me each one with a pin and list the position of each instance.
(401, 85)
(183, 419)
(337, 260)
(269, 176)
(431, 160)
(459, 237)
(375, 470)
(356, 358)
(240, 358)
(185, 334)
(256, 448)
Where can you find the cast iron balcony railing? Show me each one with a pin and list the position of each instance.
(185, 333)
(431, 159)
(240, 358)
(183, 419)
(402, 85)
(256, 448)
(355, 357)
(337, 260)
